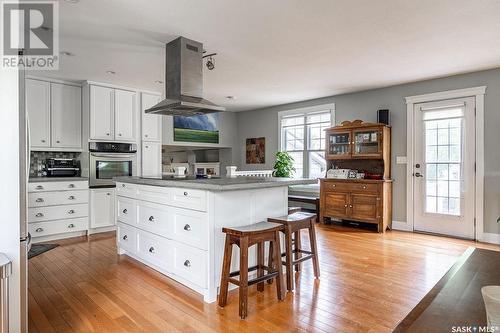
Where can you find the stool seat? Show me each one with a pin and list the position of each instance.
(293, 218)
(292, 210)
(252, 229)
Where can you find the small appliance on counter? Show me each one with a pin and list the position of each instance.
(63, 167)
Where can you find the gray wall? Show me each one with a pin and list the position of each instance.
(363, 105)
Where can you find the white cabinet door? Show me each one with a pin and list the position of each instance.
(151, 123)
(102, 207)
(66, 116)
(151, 159)
(125, 115)
(101, 113)
(38, 107)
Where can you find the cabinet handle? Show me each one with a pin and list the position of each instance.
(43, 141)
(151, 218)
(39, 215)
(71, 197)
(152, 249)
(146, 135)
(125, 211)
(71, 211)
(119, 134)
(187, 227)
(39, 230)
(71, 226)
(334, 185)
(71, 185)
(187, 263)
(39, 200)
(125, 237)
(185, 194)
(107, 134)
(39, 187)
(123, 185)
(57, 141)
(147, 147)
(108, 193)
(350, 206)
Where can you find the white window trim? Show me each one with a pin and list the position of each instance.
(305, 110)
(478, 93)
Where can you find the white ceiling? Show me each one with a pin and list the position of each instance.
(279, 51)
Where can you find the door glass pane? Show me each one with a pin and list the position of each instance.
(443, 145)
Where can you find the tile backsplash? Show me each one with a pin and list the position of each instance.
(37, 162)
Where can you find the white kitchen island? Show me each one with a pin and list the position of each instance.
(174, 225)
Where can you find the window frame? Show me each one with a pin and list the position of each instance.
(305, 112)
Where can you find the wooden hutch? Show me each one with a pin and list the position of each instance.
(365, 147)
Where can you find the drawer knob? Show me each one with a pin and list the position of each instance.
(39, 229)
(39, 200)
(107, 134)
(71, 211)
(71, 197)
(345, 206)
(187, 263)
(71, 185)
(39, 187)
(151, 218)
(123, 185)
(43, 141)
(71, 226)
(125, 211)
(364, 187)
(125, 237)
(187, 227)
(152, 249)
(119, 134)
(146, 135)
(350, 206)
(185, 194)
(39, 215)
(334, 185)
(108, 193)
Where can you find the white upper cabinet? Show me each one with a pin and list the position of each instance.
(151, 123)
(151, 159)
(125, 115)
(66, 116)
(38, 108)
(101, 113)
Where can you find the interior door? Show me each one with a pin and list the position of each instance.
(443, 173)
(66, 124)
(125, 115)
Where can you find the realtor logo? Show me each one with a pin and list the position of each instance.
(30, 36)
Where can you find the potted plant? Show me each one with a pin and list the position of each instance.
(284, 165)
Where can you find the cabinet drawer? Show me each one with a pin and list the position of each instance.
(42, 199)
(58, 186)
(154, 218)
(365, 188)
(190, 199)
(189, 263)
(157, 194)
(351, 187)
(337, 186)
(126, 210)
(127, 238)
(58, 227)
(190, 227)
(126, 190)
(153, 249)
(39, 214)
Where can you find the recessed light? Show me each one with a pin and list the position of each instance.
(66, 53)
(111, 72)
(159, 81)
(230, 97)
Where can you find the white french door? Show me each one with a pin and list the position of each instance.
(443, 170)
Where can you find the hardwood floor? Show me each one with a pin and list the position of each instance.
(369, 282)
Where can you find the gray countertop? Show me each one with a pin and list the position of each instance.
(218, 184)
(56, 179)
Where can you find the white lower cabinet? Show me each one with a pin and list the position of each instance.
(57, 209)
(102, 207)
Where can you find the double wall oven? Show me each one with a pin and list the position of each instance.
(110, 159)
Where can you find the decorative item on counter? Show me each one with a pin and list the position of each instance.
(370, 175)
(352, 174)
(337, 173)
(360, 175)
(284, 165)
(256, 151)
(180, 172)
(231, 171)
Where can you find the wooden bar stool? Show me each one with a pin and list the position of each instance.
(292, 210)
(293, 224)
(244, 237)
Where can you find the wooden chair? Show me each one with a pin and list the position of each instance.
(293, 224)
(244, 237)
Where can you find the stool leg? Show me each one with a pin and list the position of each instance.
(243, 277)
(288, 251)
(270, 262)
(260, 264)
(297, 246)
(314, 247)
(226, 266)
(277, 259)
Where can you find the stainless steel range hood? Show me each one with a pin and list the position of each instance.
(184, 81)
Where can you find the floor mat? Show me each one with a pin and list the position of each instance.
(37, 249)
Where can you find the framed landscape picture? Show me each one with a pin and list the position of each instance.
(256, 151)
(202, 128)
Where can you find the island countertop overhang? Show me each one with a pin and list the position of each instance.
(218, 184)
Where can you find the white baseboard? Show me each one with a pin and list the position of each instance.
(400, 225)
(50, 238)
(102, 229)
(490, 238)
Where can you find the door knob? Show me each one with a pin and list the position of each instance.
(418, 174)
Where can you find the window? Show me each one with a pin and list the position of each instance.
(303, 137)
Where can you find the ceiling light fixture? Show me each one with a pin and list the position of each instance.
(111, 72)
(210, 60)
